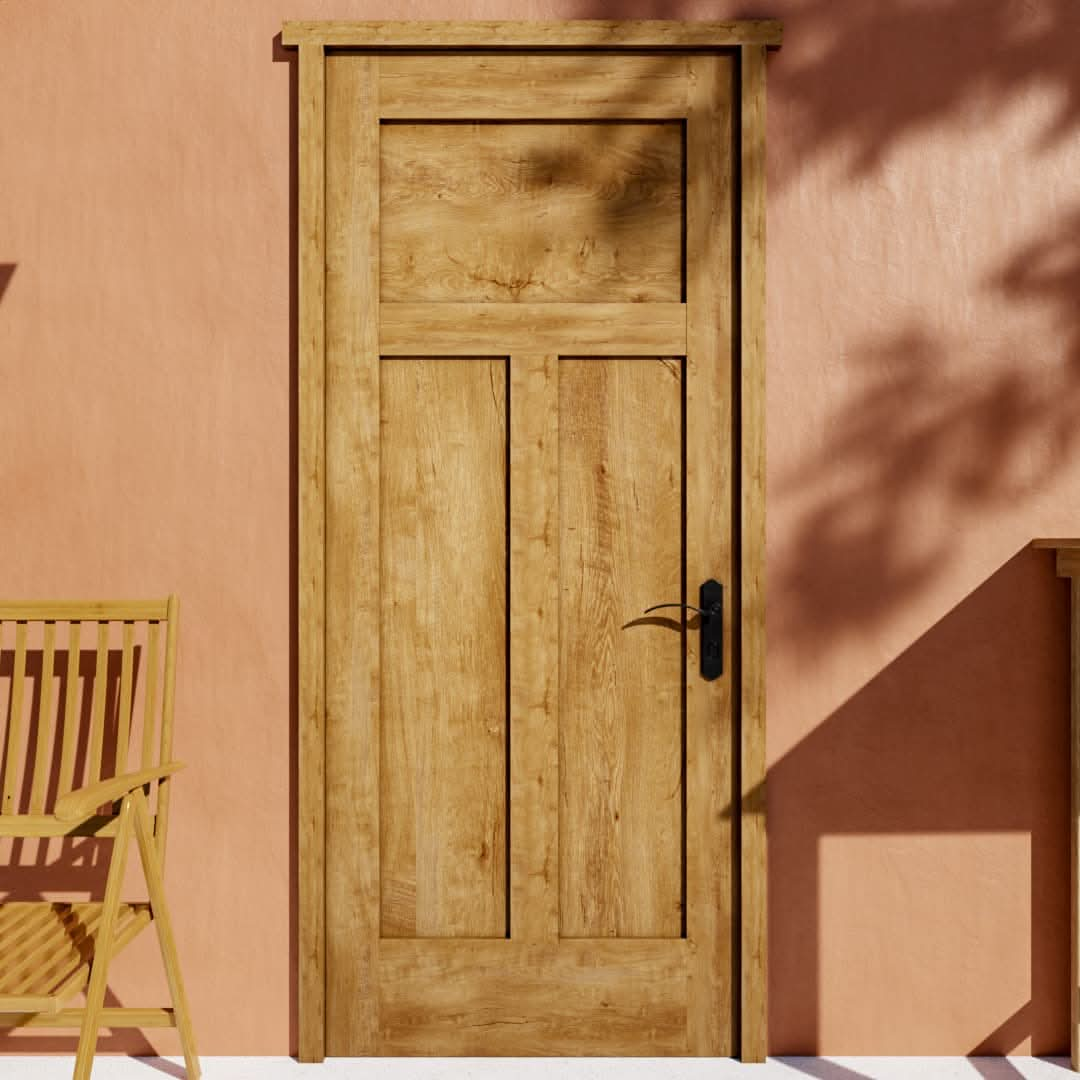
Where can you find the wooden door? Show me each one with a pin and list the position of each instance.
(535, 827)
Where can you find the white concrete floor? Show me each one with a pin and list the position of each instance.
(846, 1068)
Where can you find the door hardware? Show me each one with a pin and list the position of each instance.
(711, 610)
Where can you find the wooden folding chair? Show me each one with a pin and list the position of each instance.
(86, 752)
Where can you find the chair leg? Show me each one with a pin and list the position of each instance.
(155, 885)
(103, 945)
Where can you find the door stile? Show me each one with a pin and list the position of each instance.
(752, 914)
(708, 416)
(311, 629)
(534, 648)
(352, 555)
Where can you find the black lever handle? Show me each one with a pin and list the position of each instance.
(689, 607)
(711, 610)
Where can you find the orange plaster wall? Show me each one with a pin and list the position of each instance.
(924, 383)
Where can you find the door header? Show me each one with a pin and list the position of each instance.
(566, 34)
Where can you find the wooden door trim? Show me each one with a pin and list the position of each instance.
(311, 554)
(564, 34)
(751, 40)
(750, 557)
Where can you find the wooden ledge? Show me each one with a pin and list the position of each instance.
(1068, 555)
(567, 34)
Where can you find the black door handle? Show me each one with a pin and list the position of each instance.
(711, 610)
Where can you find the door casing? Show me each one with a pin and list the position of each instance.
(749, 42)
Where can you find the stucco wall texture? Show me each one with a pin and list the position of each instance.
(923, 394)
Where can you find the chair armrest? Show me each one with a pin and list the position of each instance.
(82, 802)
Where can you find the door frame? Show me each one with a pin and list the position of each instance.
(749, 41)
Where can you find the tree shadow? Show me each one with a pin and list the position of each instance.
(932, 440)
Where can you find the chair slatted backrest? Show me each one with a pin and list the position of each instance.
(86, 693)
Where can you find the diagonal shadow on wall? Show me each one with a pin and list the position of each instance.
(929, 747)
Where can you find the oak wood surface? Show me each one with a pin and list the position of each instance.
(708, 505)
(450, 329)
(576, 86)
(753, 910)
(531, 288)
(620, 702)
(534, 647)
(570, 33)
(527, 212)
(443, 641)
(311, 553)
(571, 998)
(352, 555)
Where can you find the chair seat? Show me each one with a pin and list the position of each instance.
(46, 949)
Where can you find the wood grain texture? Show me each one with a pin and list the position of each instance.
(1074, 832)
(638, 986)
(493, 86)
(150, 854)
(104, 943)
(352, 654)
(570, 33)
(71, 708)
(577, 329)
(443, 640)
(13, 743)
(46, 948)
(753, 911)
(66, 716)
(709, 387)
(109, 1018)
(168, 705)
(620, 708)
(52, 951)
(47, 721)
(531, 212)
(81, 804)
(534, 647)
(83, 610)
(576, 998)
(311, 328)
(97, 706)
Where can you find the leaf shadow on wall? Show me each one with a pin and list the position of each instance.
(930, 744)
(966, 732)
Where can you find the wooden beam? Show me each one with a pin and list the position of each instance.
(352, 656)
(311, 598)
(497, 329)
(107, 1018)
(565, 34)
(1068, 566)
(753, 1010)
(1074, 831)
(83, 610)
